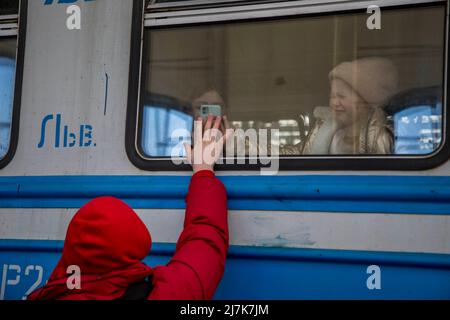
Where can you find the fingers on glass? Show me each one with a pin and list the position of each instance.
(215, 131)
(188, 149)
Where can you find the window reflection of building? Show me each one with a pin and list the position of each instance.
(7, 68)
(288, 130)
(163, 130)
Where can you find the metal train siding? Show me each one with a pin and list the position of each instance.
(299, 235)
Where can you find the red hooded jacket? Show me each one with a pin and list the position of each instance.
(107, 241)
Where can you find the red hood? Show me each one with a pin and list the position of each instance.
(107, 241)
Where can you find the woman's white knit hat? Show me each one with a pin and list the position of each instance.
(374, 79)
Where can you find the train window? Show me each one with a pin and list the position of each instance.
(331, 91)
(11, 57)
(7, 67)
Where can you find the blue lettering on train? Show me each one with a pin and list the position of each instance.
(64, 137)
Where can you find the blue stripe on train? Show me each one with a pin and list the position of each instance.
(268, 273)
(372, 194)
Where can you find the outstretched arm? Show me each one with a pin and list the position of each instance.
(199, 261)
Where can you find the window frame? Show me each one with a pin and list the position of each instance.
(20, 35)
(143, 20)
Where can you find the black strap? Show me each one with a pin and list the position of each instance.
(139, 290)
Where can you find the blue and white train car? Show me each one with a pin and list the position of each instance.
(92, 90)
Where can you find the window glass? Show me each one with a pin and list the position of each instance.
(327, 84)
(7, 71)
(165, 1)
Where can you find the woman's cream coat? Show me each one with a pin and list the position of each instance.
(375, 136)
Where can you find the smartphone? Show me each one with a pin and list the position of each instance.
(213, 109)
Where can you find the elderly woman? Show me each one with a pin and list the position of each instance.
(355, 122)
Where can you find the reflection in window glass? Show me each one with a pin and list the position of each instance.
(163, 131)
(7, 70)
(323, 82)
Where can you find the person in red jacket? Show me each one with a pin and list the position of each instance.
(107, 242)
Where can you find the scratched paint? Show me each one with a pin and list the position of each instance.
(106, 92)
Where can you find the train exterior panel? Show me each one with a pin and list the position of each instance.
(301, 234)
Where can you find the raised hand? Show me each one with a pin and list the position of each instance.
(208, 143)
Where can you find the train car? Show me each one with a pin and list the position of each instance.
(92, 91)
